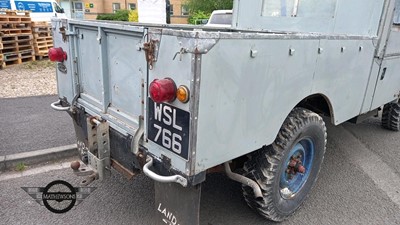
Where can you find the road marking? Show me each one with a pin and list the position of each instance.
(43, 169)
(383, 176)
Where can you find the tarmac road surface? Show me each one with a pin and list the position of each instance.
(358, 184)
(28, 123)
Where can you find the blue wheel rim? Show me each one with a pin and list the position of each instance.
(292, 181)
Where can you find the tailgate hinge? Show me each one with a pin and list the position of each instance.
(65, 33)
(150, 50)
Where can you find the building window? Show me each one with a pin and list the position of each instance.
(184, 10)
(116, 7)
(171, 10)
(132, 6)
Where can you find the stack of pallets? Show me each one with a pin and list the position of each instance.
(15, 38)
(42, 38)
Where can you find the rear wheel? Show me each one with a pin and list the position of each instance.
(287, 170)
(391, 116)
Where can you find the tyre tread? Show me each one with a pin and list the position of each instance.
(391, 116)
(269, 157)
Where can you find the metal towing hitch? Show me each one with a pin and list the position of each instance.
(97, 152)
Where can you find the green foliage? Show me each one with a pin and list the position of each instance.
(198, 16)
(134, 16)
(120, 15)
(202, 9)
(20, 167)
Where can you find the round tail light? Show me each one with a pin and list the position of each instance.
(57, 55)
(163, 90)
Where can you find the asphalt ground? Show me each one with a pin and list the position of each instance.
(28, 124)
(359, 184)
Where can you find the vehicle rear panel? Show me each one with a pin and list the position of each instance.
(111, 71)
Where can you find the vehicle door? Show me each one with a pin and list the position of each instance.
(388, 81)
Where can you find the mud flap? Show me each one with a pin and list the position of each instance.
(177, 205)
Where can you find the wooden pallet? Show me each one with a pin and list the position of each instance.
(16, 43)
(41, 54)
(39, 39)
(42, 38)
(44, 29)
(40, 23)
(19, 13)
(15, 19)
(2, 64)
(18, 57)
(15, 37)
(42, 35)
(43, 43)
(14, 25)
(41, 57)
(16, 31)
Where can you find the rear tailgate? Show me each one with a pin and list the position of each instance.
(112, 71)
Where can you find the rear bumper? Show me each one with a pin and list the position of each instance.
(122, 155)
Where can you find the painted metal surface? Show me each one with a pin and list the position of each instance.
(181, 70)
(65, 80)
(393, 44)
(110, 66)
(327, 16)
(242, 84)
(388, 82)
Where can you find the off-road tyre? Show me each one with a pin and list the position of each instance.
(265, 165)
(391, 116)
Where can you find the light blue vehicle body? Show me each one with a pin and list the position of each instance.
(341, 57)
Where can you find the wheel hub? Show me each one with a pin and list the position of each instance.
(296, 168)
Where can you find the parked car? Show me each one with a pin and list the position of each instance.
(42, 10)
(220, 18)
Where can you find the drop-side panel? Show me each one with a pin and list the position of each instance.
(249, 86)
(127, 71)
(90, 77)
(245, 97)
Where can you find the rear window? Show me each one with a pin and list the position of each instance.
(299, 8)
(221, 19)
(396, 19)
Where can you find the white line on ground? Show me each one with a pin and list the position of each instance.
(43, 169)
(383, 176)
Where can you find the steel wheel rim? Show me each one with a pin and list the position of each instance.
(291, 180)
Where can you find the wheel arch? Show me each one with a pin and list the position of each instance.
(318, 103)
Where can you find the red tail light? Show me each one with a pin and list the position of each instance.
(57, 54)
(163, 90)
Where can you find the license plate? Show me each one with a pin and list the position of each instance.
(168, 126)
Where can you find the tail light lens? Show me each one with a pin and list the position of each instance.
(182, 94)
(163, 90)
(57, 55)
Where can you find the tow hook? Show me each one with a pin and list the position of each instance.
(81, 171)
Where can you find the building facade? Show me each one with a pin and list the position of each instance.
(89, 9)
